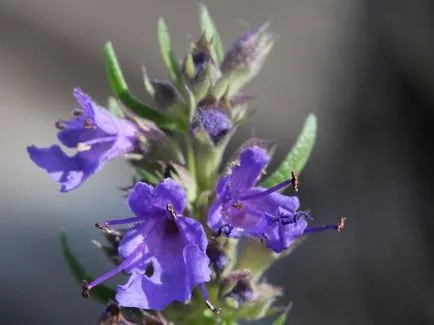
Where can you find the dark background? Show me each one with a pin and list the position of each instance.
(365, 67)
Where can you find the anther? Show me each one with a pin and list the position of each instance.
(85, 291)
(294, 181)
(77, 112)
(341, 224)
(88, 123)
(103, 226)
(171, 209)
(60, 125)
(211, 307)
(238, 205)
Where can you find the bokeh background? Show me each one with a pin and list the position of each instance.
(365, 67)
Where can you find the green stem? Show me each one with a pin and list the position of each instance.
(191, 160)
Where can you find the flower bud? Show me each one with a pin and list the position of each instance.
(214, 121)
(249, 51)
(245, 58)
(200, 68)
(165, 94)
(217, 256)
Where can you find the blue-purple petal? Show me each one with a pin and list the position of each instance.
(252, 162)
(169, 191)
(179, 264)
(280, 236)
(70, 172)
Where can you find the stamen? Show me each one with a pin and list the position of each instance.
(208, 303)
(88, 124)
(339, 227)
(60, 125)
(238, 205)
(172, 212)
(103, 226)
(106, 224)
(215, 310)
(86, 286)
(77, 112)
(293, 181)
(85, 291)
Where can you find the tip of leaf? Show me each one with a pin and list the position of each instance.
(161, 23)
(311, 118)
(202, 7)
(108, 46)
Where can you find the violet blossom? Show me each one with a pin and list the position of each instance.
(98, 137)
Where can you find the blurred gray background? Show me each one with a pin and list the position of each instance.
(365, 67)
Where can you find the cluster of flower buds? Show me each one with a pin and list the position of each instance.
(190, 211)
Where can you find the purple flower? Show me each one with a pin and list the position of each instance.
(164, 252)
(240, 208)
(214, 121)
(98, 137)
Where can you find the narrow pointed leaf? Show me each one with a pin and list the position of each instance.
(120, 89)
(191, 103)
(169, 58)
(210, 31)
(298, 156)
(101, 292)
(145, 175)
(282, 318)
(147, 82)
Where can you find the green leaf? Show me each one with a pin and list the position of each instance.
(282, 318)
(149, 177)
(191, 103)
(210, 31)
(298, 156)
(120, 89)
(101, 292)
(169, 58)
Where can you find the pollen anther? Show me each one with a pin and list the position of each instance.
(341, 224)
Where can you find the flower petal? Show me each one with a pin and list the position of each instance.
(70, 172)
(273, 201)
(179, 264)
(279, 236)
(142, 200)
(252, 161)
(102, 118)
(169, 191)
